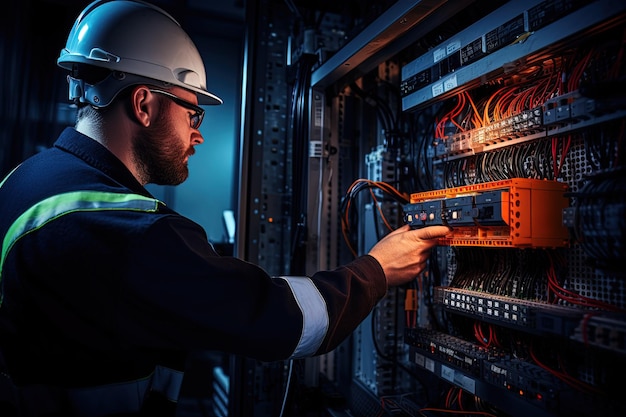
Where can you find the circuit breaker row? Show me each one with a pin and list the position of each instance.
(518, 212)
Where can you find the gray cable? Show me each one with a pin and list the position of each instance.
(289, 372)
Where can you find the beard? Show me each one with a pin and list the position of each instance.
(161, 154)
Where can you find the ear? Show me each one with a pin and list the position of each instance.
(143, 105)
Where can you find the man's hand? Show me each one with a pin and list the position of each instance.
(403, 252)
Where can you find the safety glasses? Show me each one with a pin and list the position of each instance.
(195, 120)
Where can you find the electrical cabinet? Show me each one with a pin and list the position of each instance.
(504, 120)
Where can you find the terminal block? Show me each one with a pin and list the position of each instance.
(517, 212)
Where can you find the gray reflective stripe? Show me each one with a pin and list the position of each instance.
(167, 381)
(104, 400)
(124, 398)
(8, 175)
(61, 204)
(314, 315)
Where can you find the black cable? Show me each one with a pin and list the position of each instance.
(382, 109)
(348, 209)
(383, 355)
(300, 121)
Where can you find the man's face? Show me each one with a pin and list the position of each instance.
(163, 148)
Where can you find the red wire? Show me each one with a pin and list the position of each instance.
(465, 412)
(448, 402)
(568, 379)
(573, 297)
(496, 342)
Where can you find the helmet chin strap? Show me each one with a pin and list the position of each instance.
(102, 93)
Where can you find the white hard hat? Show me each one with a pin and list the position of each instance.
(139, 43)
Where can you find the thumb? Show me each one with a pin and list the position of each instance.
(433, 232)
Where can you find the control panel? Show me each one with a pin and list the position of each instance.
(518, 212)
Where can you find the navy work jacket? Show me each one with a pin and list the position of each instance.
(100, 282)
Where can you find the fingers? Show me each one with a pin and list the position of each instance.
(432, 232)
(403, 253)
(401, 229)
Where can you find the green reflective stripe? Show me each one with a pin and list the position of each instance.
(58, 205)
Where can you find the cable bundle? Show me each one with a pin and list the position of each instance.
(349, 207)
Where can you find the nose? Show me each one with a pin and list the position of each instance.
(197, 138)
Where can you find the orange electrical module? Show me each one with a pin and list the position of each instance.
(517, 212)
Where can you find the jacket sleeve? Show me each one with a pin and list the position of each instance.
(333, 303)
(351, 291)
(186, 296)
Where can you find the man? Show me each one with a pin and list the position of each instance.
(104, 289)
